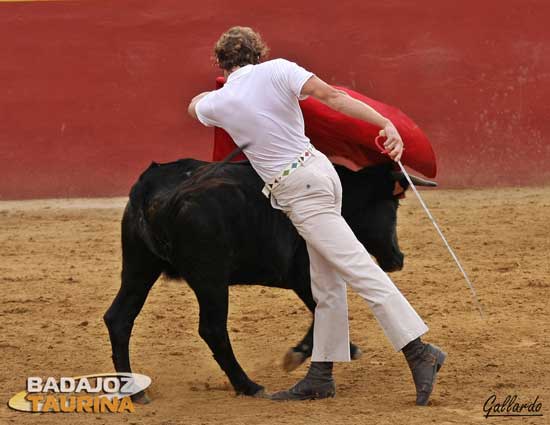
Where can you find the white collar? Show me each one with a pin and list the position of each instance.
(239, 72)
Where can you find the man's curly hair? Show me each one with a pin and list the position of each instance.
(239, 46)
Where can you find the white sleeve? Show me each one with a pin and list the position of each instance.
(205, 111)
(293, 76)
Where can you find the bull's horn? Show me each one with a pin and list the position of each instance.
(418, 181)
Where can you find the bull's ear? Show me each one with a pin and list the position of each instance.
(418, 181)
(399, 192)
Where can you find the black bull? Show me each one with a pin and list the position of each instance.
(210, 225)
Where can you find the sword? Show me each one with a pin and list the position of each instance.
(378, 142)
(206, 170)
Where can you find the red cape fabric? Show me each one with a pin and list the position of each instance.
(336, 134)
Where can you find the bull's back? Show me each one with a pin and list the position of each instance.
(219, 221)
(161, 178)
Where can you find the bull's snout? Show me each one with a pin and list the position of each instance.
(394, 264)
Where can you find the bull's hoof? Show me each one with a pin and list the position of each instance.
(355, 352)
(261, 394)
(293, 359)
(141, 398)
(254, 390)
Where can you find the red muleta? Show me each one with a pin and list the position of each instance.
(336, 134)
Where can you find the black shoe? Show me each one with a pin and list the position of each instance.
(424, 366)
(317, 384)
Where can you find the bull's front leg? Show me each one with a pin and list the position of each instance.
(213, 303)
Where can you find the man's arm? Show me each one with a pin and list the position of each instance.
(342, 102)
(191, 108)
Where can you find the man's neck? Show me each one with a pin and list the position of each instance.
(227, 73)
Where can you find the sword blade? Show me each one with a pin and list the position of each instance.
(455, 258)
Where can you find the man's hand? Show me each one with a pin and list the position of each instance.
(393, 143)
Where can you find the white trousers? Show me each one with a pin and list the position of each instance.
(312, 199)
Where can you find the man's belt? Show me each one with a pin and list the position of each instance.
(288, 170)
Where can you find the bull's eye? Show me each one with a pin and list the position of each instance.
(401, 195)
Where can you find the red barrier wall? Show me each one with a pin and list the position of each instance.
(92, 91)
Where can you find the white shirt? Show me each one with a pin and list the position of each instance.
(259, 105)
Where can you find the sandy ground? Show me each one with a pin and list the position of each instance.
(59, 271)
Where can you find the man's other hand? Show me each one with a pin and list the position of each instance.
(393, 143)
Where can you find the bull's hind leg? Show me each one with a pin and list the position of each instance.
(297, 355)
(140, 270)
(213, 302)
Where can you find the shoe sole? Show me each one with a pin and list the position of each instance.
(306, 397)
(288, 396)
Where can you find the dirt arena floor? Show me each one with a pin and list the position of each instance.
(59, 271)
